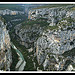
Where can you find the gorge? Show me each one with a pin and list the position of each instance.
(43, 42)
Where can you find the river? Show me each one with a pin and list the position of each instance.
(21, 63)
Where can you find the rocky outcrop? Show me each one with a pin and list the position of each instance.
(28, 34)
(54, 41)
(5, 48)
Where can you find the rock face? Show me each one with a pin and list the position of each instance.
(55, 42)
(5, 48)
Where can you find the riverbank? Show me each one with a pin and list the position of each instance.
(14, 57)
(21, 63)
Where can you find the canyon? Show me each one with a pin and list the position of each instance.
(45, 41)
(51, 40)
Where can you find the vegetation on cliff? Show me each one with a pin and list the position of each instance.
(14, 58)
(11, 7)
(52, 6)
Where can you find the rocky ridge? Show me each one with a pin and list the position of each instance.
(5, 48)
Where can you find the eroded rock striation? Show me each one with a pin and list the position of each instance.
(5, 48)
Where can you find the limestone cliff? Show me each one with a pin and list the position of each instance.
(5, 48)
(58, 38)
